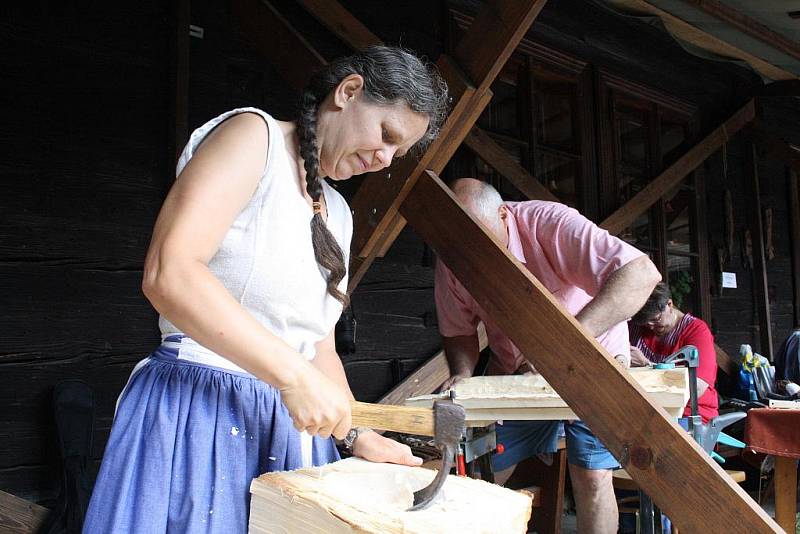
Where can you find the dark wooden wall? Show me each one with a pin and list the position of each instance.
(85, 164)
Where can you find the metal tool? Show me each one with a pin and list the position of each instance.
(446, 422)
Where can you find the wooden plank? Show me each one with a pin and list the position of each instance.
(289, 52)
(19, 515)
(494, 34)
(341, 22)
(685, 31)
(748, 25)
(760, 283)
(493, 154)
(428, 377)
(657, 188)
(689, 486)
(793, 202)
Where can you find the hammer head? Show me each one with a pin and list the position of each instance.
(449, 427)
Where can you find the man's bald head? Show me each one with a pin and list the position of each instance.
(483, 202)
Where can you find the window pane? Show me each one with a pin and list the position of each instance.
(632, 129)
(672, 138)
(559, 173)
(640, 233)
(554, 115)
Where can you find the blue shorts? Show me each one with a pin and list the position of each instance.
(523, 439)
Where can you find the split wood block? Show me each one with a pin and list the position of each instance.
(356, 496)
(529, 397)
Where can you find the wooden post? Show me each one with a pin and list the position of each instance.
(179, 78)
(760, 284)
(794, 229)
(658, 454)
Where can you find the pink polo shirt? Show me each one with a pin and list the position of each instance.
(565, 251)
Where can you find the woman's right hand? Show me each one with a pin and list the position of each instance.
(317, 405)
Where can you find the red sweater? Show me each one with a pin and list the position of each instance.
(689, 331)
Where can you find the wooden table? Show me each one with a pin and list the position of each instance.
(777, 432)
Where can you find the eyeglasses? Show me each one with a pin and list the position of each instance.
(656, 319)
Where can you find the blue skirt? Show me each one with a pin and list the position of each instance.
(187, 440)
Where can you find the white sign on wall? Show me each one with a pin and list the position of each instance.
(729, 280)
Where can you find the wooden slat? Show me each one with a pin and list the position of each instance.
(657, 188)
(685, 31)
(341, 22)
(666, 463)
(748, 25)
(760, 283)
(428, 377)
(494, 34)
(493, 154)
(289, 52)
(20, 516)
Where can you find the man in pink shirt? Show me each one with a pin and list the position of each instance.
(599, 279)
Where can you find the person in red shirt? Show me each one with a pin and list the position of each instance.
(659, 329)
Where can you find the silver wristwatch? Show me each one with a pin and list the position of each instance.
(352, 435)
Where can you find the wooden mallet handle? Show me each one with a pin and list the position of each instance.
(394, 418)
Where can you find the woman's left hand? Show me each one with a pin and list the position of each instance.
(376, 448)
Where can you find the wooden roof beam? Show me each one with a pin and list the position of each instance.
(658, 454)
(748, 25)
(289, 52)
(686, 32)
(341, 22)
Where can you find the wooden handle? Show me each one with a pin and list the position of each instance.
(393, 418)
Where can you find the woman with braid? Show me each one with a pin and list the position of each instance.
(247, 267)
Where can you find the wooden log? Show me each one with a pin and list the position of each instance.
(19, 515)
(660, 456)
(357, 496)
(659, 186)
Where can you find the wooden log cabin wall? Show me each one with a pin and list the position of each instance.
(592, 103)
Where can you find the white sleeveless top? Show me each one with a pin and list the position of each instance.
(266, 259)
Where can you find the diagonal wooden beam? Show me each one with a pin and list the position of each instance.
(644, 199)
(484, 146)
(748, 25)
(488, 43)
(289, 52)
(658, 454)
(341, 22)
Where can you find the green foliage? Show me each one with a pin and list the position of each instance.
(680, 284)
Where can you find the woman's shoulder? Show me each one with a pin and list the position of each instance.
(696, 326)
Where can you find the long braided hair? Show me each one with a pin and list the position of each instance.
(391, 75)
